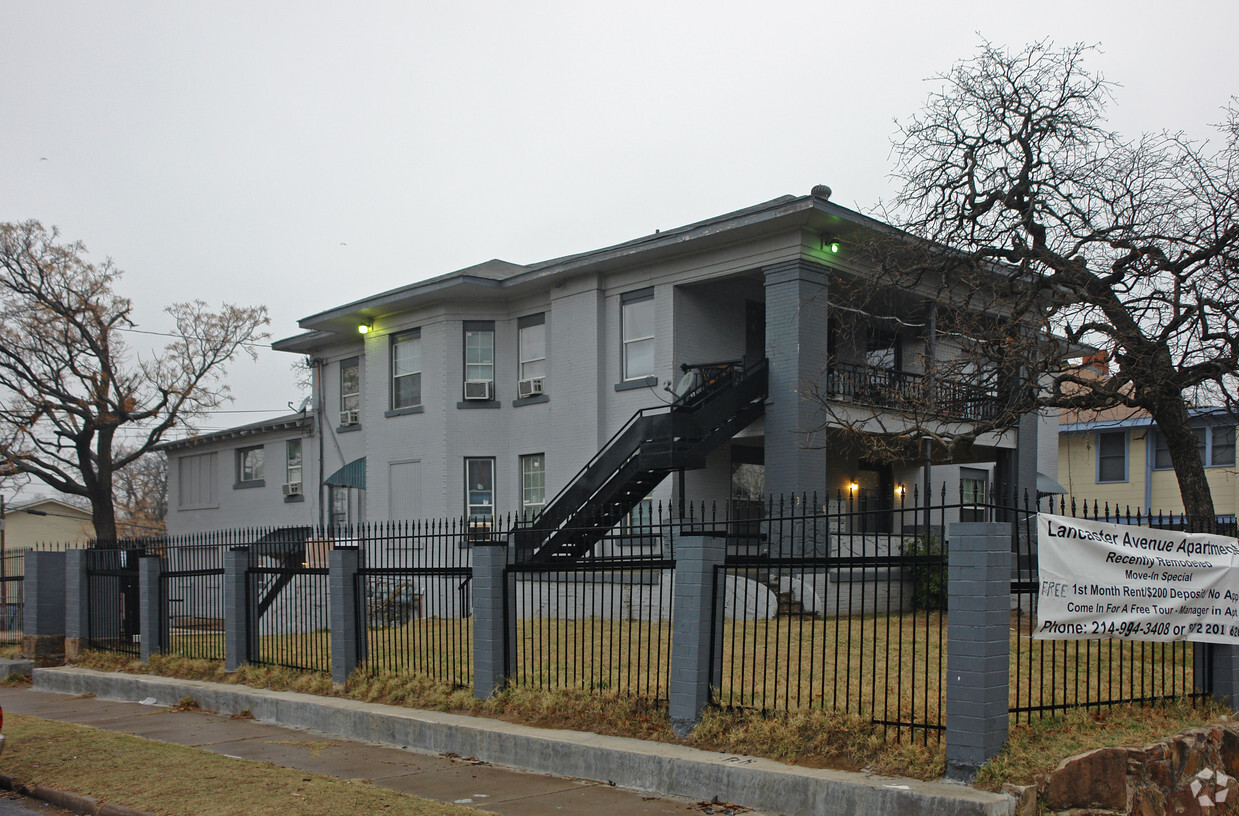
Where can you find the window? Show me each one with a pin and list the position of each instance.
(533, 485)
(406, 370)
(973, 493)
(350, 391)
(195, 483)
(640, 520)
(531, 337)
(292, 458)
(883, 351)
(249, 467)
(338, 508)
(1216, 446)
(479, 351)
(1112, 456)
(637, 317)
(479, 491)
(1222, 449)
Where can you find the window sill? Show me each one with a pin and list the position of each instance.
(412, 409)
(348, 428)
(640, 382)
(534, 400)
(294, 499)
(479, 404)
(250, 484)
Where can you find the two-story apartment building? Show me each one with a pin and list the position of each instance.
(486, 390)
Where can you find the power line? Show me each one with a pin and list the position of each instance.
(264, 346)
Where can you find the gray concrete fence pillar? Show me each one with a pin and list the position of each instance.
(348, 634)
(239, 632)
(978, 645)
(77, 607)
(494, 612)
(1219, 664)
(43, 624)
(152, 608)
(697, 555)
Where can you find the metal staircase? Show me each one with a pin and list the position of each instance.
(713, 402)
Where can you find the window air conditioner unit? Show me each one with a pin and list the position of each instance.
(292, 489)
(349, 417)
(477, 389)
(531, 387)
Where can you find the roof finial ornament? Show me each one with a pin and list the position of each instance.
(821, 191)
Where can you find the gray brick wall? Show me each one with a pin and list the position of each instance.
(348, 639)
(978, 645)
(697, 556)
(796, 347)
(44, 587)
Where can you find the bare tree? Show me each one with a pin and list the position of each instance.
(141, 493)
(1033, 231)
(68, 383)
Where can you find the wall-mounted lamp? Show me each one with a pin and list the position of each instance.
(830, 245)
(900, 491)
(364, 328)
(853, 487)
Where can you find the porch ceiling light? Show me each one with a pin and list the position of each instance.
(830, 245)
(364, 328)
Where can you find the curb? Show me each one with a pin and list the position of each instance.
(660, 768)
(66, 800)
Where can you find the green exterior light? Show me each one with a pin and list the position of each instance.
(364, 328)
(833, 247)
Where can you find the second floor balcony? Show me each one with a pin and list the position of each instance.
(905, 391)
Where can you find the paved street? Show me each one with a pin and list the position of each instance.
(445, 778)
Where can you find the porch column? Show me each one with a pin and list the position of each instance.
(796, 332)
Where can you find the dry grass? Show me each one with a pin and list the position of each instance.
(1036, 748)
(831, 679)
(148, 775)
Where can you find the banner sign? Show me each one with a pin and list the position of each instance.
(1100, 580)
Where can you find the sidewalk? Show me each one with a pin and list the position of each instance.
(449, 756)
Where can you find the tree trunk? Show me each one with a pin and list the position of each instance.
(1172, 421)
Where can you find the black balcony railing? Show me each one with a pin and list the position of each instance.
(906, 391)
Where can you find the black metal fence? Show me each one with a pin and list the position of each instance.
(1051, 676)
(413, 599)
(820, 604)
(112, 598)
(836, 606)
(287, 595)
(12, 595)
(601, 622)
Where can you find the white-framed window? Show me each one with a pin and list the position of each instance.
(1112, 456)
(1216, 445)
(292, 461)
(249, 466)
(479, 489)
(637, 331)
(350, 386)
(406, 369)
(533, 484)
(338, 508)
(479, 351)
(195, 481)
(973, 494)
(531, 343)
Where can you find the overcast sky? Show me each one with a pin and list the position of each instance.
(305, 154)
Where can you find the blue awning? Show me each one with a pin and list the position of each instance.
(351, 475)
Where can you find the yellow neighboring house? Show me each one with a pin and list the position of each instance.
(1120, 458)
(48, 523)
